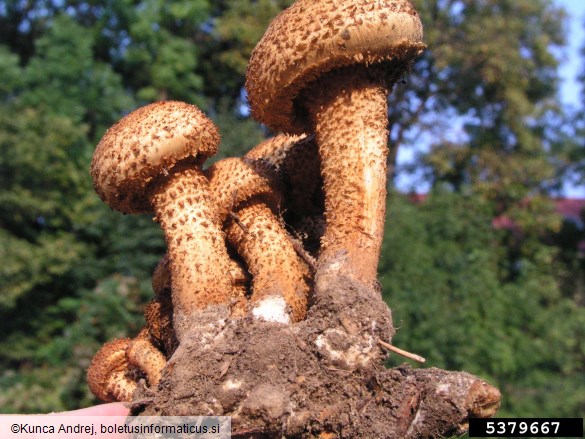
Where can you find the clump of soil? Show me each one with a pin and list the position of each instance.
(322, 377)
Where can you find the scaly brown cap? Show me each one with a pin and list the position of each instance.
(107, 375)
(146, 144)
(274, 150)
(314, 37)
(235, 180)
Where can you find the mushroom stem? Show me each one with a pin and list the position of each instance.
(348, 113)
(197, 252)
(142, 354)
(280, 279)
(277, 271)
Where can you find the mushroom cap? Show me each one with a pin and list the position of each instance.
(274, 149)
(314, 37)
(146, 144)
(109, 364)
(235, 180)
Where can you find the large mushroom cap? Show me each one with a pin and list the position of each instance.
(146, 144)
(314, 37)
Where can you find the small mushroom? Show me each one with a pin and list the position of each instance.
(150, 162)
(274, 149)
(247, 189)
(118, 366)
(327, 67)
(109, 376)
(297, 162)
(158, 314)
(142, 354)
(161, 277)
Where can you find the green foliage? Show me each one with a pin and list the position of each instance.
(241, 25)
(461, 299)
(489, 67)
(57, 240)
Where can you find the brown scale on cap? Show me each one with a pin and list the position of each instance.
(149, 162)
(297, 162)
(327, 67)
(109, 375)
(279, 276)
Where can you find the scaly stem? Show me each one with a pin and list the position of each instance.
(198, 256)
(277, 271)
(348, 112)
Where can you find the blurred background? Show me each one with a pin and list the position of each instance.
(483, 259)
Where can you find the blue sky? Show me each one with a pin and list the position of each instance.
(572, 63)
(572, 66)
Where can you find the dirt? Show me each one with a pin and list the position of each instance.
(321, 378)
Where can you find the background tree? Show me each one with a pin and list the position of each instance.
(460, 299)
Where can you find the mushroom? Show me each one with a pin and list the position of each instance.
(109, 375)
(327, 67)
(280, 279)
(297, 162)
(158, 314)
(161, 277)
(274, 149)
(149, 161)
(117, 367)
(142, 354)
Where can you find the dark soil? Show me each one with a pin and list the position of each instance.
(320, 378)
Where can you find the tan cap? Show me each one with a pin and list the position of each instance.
(314, 37)
(146, 144)
(274, 150)
(107, 375)
(235, 180)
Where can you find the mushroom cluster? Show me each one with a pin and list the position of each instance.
(321, 75)
(281, 244)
